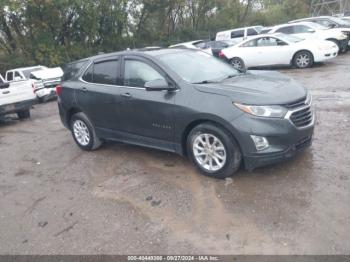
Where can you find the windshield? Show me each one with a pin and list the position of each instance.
(197, 66)
(317, 26)
(289, 38)
(341, 21)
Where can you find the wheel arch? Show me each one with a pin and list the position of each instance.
(216, 122)
(71, 112)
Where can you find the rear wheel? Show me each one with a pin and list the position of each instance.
(84, 133)
(237, 63)
(213, 151)
(303, 59)
(24, 114)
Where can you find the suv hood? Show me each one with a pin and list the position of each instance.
(257, 88)
(48, 73)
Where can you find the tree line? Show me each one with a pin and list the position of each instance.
(53, 32)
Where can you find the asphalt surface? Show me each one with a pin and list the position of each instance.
(122, 199)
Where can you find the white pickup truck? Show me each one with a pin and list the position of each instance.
(16, 97)
(43, 79)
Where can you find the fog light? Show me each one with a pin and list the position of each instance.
(260, 142)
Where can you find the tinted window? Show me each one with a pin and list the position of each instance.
(88, 75)
(238, 33)
(72, 69)
(137, 73)
(251, 31)
(9, 76)
(106, 72)
(286, 30)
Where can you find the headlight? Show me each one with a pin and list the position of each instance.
(342, 36)
(263, 111)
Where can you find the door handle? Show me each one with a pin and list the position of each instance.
(84, 89)
(6, 92)
(126, 95)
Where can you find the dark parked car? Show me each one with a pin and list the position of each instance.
(217, 46)
(187, 102)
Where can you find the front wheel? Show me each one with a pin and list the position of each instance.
(213, 151)
(84, 133)
(303, 59)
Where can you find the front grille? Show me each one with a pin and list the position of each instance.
(296, 104)
(302, 117)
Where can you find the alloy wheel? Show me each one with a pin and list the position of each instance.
(209, 152)
(81, 132)
(303, 60)
(236, 63)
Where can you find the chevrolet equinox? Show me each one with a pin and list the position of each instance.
(187, 102)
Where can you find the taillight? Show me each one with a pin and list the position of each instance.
(58, 90)
(33, 87)
(221, 55)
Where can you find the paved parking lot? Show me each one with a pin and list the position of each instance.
(122, 199)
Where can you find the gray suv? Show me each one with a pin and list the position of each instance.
(187, 102)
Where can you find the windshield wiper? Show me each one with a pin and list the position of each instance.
(206, 82)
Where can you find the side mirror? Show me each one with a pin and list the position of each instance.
(4, 85)
(157, 85)
(332, 25)
(18, 78)
(310, 30)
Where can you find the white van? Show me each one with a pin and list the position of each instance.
(239, 33)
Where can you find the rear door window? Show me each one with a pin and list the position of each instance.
(72, 69)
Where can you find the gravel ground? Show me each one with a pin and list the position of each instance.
(122, 199)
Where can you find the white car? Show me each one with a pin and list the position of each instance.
(16, 97)
(43, 79)
(310, 30)
(239, 33)
(197, 44)
(279, 49)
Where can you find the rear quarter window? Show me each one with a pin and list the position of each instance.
(72, 69)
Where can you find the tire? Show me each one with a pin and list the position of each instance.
(84, 133)
(226, 147)
(303, 59)
(24, 114)
(237, 63)
(40, 100)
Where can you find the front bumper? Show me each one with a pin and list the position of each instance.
(285, 139)
(16, 107)
(326, 54)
